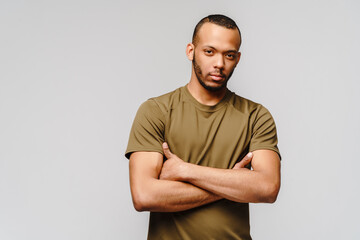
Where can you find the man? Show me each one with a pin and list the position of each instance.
(202, 131)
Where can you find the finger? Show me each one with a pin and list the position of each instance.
(245, 161)
(237, 166)
(166, 150)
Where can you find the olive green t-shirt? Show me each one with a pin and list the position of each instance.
(215, 136)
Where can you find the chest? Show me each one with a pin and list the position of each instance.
(215, 139)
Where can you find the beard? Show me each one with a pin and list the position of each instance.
(201, 79)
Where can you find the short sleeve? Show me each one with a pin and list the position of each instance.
(147, 131)
(264, 134)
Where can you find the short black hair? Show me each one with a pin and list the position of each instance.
(217, 19)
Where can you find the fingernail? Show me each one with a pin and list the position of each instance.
(249, 154)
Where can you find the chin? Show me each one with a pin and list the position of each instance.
(216, 84)
(214, 87)
(211, 85)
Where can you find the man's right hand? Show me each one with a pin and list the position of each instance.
(245, 161)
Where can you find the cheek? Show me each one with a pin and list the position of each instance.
(205, 65)
(231, 66)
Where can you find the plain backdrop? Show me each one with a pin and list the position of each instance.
(74, 72)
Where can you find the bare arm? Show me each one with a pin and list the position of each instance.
(261, 184)
(149, 193)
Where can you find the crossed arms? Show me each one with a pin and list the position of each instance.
(175, 185)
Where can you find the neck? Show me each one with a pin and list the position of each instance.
(203, 95)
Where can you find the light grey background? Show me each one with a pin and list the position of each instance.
(73, 73)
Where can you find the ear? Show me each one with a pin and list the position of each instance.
(190, 48)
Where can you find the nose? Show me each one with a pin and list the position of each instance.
(219, 62)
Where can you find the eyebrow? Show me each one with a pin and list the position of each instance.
(228, 51)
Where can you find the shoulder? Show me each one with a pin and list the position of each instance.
(255, 112)
(245, 105)
(165, 102)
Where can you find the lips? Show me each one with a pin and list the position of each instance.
(217, 77)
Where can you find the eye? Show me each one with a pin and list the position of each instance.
(208, 51)
(230, 56)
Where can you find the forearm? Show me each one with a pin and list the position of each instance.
(149, 193)
(240, 185)
(170, 196)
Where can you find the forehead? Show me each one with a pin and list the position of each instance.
(218, 36)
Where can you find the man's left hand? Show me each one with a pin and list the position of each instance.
(173, 167)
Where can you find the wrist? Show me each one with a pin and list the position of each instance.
(184, 171)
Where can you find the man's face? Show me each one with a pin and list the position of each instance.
(215, 55)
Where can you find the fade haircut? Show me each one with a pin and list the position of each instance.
(217, 19)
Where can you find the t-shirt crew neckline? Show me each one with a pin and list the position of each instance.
(204, 107)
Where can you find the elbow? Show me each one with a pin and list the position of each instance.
(272, 196)
(270, 192)
(141, 201)
(139, 205)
